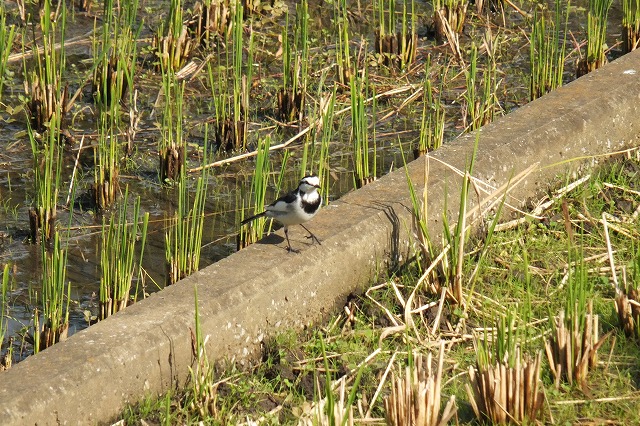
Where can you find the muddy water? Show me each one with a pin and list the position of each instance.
(140, 172)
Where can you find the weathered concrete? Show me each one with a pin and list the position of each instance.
(255, 293)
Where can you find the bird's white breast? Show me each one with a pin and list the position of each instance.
(292, 214)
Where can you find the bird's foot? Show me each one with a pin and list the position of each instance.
(314, 238)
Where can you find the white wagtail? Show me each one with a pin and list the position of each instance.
(295, 208)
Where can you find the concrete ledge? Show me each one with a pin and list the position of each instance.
(261, 290)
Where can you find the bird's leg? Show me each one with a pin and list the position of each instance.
(286, 234)
(311, 235)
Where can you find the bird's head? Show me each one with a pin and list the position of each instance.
(309, 184)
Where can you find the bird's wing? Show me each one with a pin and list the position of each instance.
(282, 204)
(280, 207)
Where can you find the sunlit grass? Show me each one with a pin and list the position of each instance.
(530, 272)
(244, 80)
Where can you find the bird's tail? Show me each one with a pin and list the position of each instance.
(254, 217)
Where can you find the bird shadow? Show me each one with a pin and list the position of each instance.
(279, 241)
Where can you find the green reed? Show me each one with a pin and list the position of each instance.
(115, 57)
(319, 153)
(46, 107)
(386, 41)
(547, 50)
(433, 116)
(295, 60)
(574, 341)
(470, 96)
(502, 345)
(44, 89)
(386, 16)
(240, 83)
(409, 37)
(173, 41)
(259, 183)
(359, 132)
(629, 316)
(301, 37)
(453, 11)
(216, 77)
(7, 34)
(630, 24)
(395, 47)
(232, 105)
(324, 169)
(420, 212)
(452, 265)
(480, 98)
(343, 57)
(501, 363)
(106, 162)
(287, 75)
(47, 167)
(118, 260)
(338, 409)
(172, 145)
(579, 289)
(597, 33)
(315, 156)
(183, 237)
(203, 389)
(55, 297)
(4, 312)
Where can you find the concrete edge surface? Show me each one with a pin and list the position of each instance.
(253, 294)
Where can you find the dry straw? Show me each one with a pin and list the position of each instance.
(573, 347)
(415, 397)
(503, 394)
(627, 305)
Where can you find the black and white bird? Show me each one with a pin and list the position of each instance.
(295, 208)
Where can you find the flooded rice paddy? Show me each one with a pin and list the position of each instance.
(393, 124)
